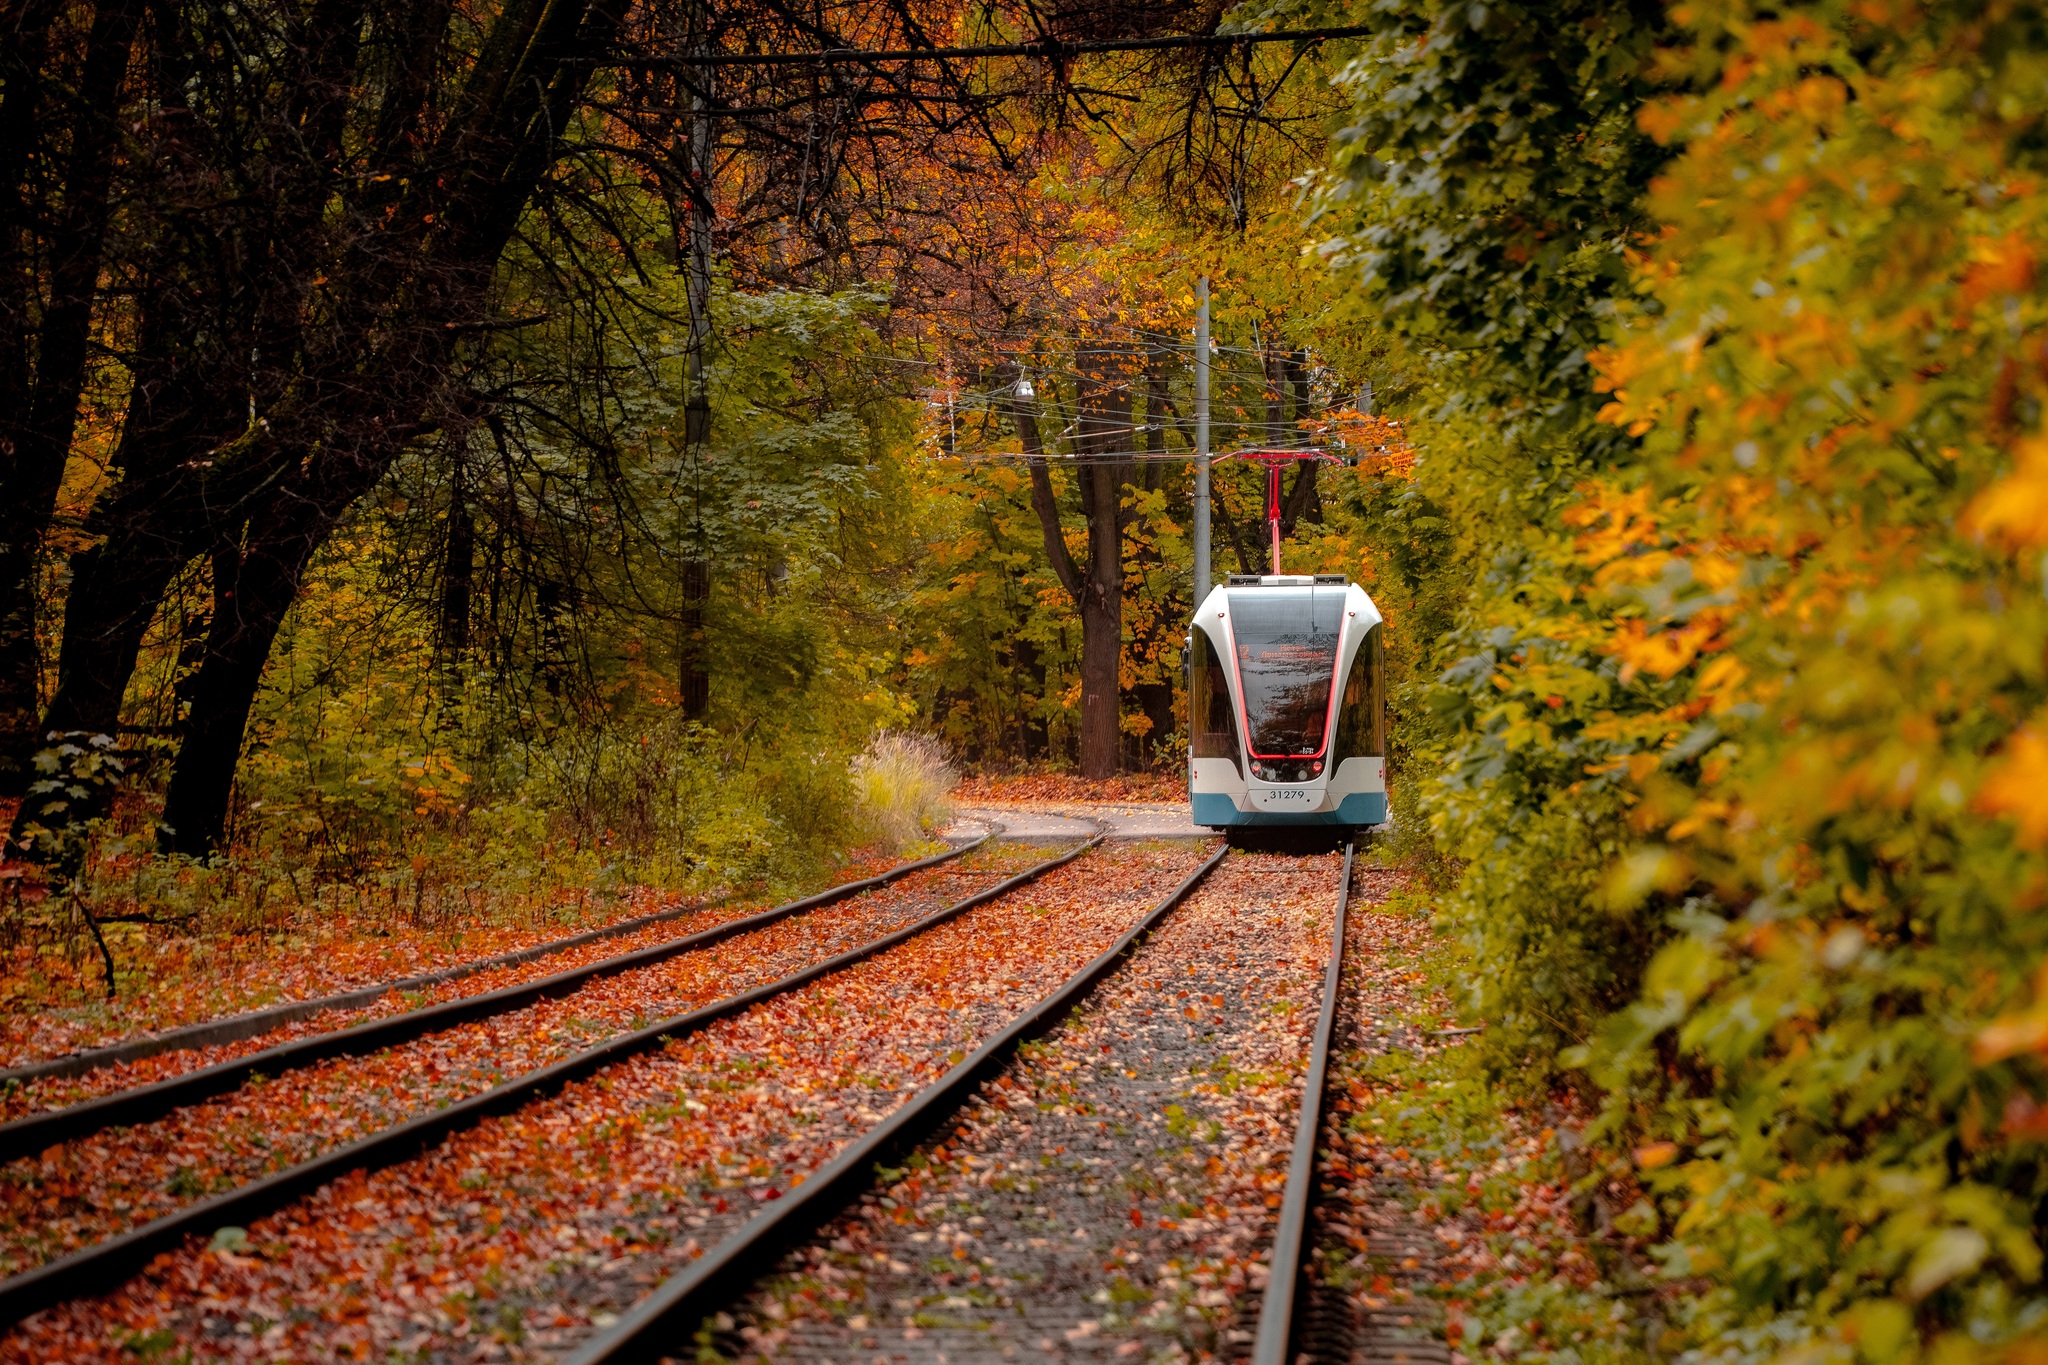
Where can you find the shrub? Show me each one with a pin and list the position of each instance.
(901, 783)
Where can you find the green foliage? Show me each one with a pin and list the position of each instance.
(1823, 372)
(1482, 190)
(75, 772)
(994, 643)
(541, 769)
(1484, 185)
(372, 745)
(1740, 716)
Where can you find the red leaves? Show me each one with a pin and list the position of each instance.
(1067, 788)
(326, 950)
(81, 1192)
(489, 1235)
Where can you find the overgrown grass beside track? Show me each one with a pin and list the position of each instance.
(1457, 1203)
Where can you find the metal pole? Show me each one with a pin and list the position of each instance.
(1202, 581)
(1273, 510)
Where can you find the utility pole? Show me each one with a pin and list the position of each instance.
(1201, 440)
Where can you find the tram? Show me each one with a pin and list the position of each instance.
(1287, 708)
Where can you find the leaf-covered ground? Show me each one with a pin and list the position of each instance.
(54, 1092)
(76, 1193)
(51, 1005)
(1068, 788)
(510, 1239)
(1112, 1195)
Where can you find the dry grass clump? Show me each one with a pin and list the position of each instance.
(901, 783)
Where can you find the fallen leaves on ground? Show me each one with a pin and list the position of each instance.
(50, 1004)
(1056, 788)
(77, 1193)
(1448, 1207)
(1113, 1194)
(57, 1091)
(509, 1239)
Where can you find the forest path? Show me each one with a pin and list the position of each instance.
(1045, 821)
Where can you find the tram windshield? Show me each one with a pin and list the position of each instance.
(1286, 660)
(1213, 727)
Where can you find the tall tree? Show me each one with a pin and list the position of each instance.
(1105, 374)
(319, 198)
(52, 232)
(354, 329)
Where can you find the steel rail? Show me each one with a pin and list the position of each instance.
(99, 1268)
(35, 1132)
(662, 1323)
(233, 1028)
(1276, 1314)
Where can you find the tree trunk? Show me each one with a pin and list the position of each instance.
(1275, 429)
(357, 393)
(1030, 682)
(152, 527)
(39, 446)
(1304, 500)
(1107, 375)
(693, 673)
(184, 371)
(252, 592)
(151, 524)
(114, 596)
(1102, 648)
(1233, 533)
(1158, 408)
(112, 600)
(458, 573)
(24, 72)
(1046, 504)
(1155, 699)
(1294, 369)
(1102, 613)
(1097, 588)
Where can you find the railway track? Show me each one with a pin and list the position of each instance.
(1370, 1280)
(139, 1104)
(988, 1306)
(96, 1267)
(666, 1321)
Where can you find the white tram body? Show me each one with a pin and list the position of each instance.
(1287, 705)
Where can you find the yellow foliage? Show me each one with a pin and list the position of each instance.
(2014, 510)
(2016, 786)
